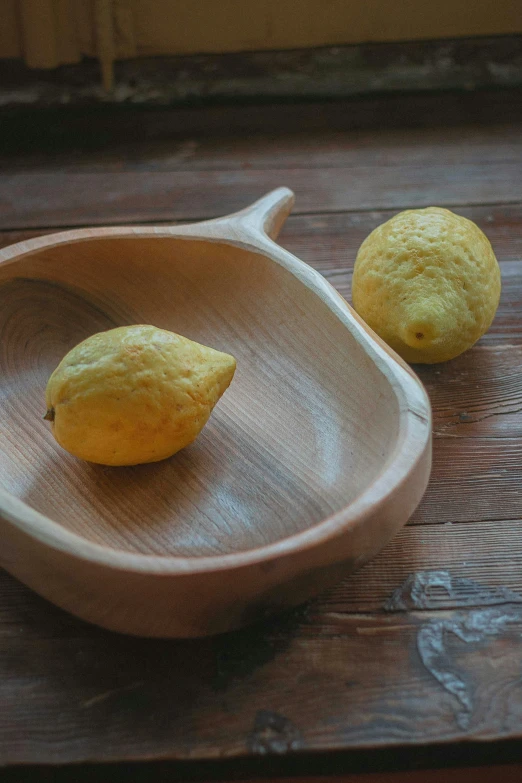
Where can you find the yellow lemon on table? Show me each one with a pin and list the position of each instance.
(134, 394)
(427, 282)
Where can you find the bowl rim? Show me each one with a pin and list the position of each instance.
(414, 425)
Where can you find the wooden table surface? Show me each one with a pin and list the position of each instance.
(416, 659)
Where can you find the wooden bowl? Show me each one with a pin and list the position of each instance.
(316, 455)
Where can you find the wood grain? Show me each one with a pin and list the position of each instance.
(477, 394)
(477, 564)
(234, 521)
(354, 670)
(32, 200)
(479, 478)
(72, 134)
(300, 147)
(282, 688)
(336, 171)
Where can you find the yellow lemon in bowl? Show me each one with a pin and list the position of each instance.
(427, 282)
(134, 394)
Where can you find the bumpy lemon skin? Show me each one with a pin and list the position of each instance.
(135, 394)
(427, 282)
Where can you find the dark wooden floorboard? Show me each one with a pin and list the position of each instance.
(438, 567)
(28, 135)
(91, 695)
(303, 148)
(193, 173)
(58, 199)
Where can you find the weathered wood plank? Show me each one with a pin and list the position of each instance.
(31, 200)
(118, 134)
(438, 567)
(292, 685)
(437, 616)
(473, 479)
(300, 148)
(329, 242)
(478, 394)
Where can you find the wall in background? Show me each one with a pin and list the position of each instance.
(48, 33)
(235, 25)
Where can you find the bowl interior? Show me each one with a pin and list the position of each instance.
(307, 424)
